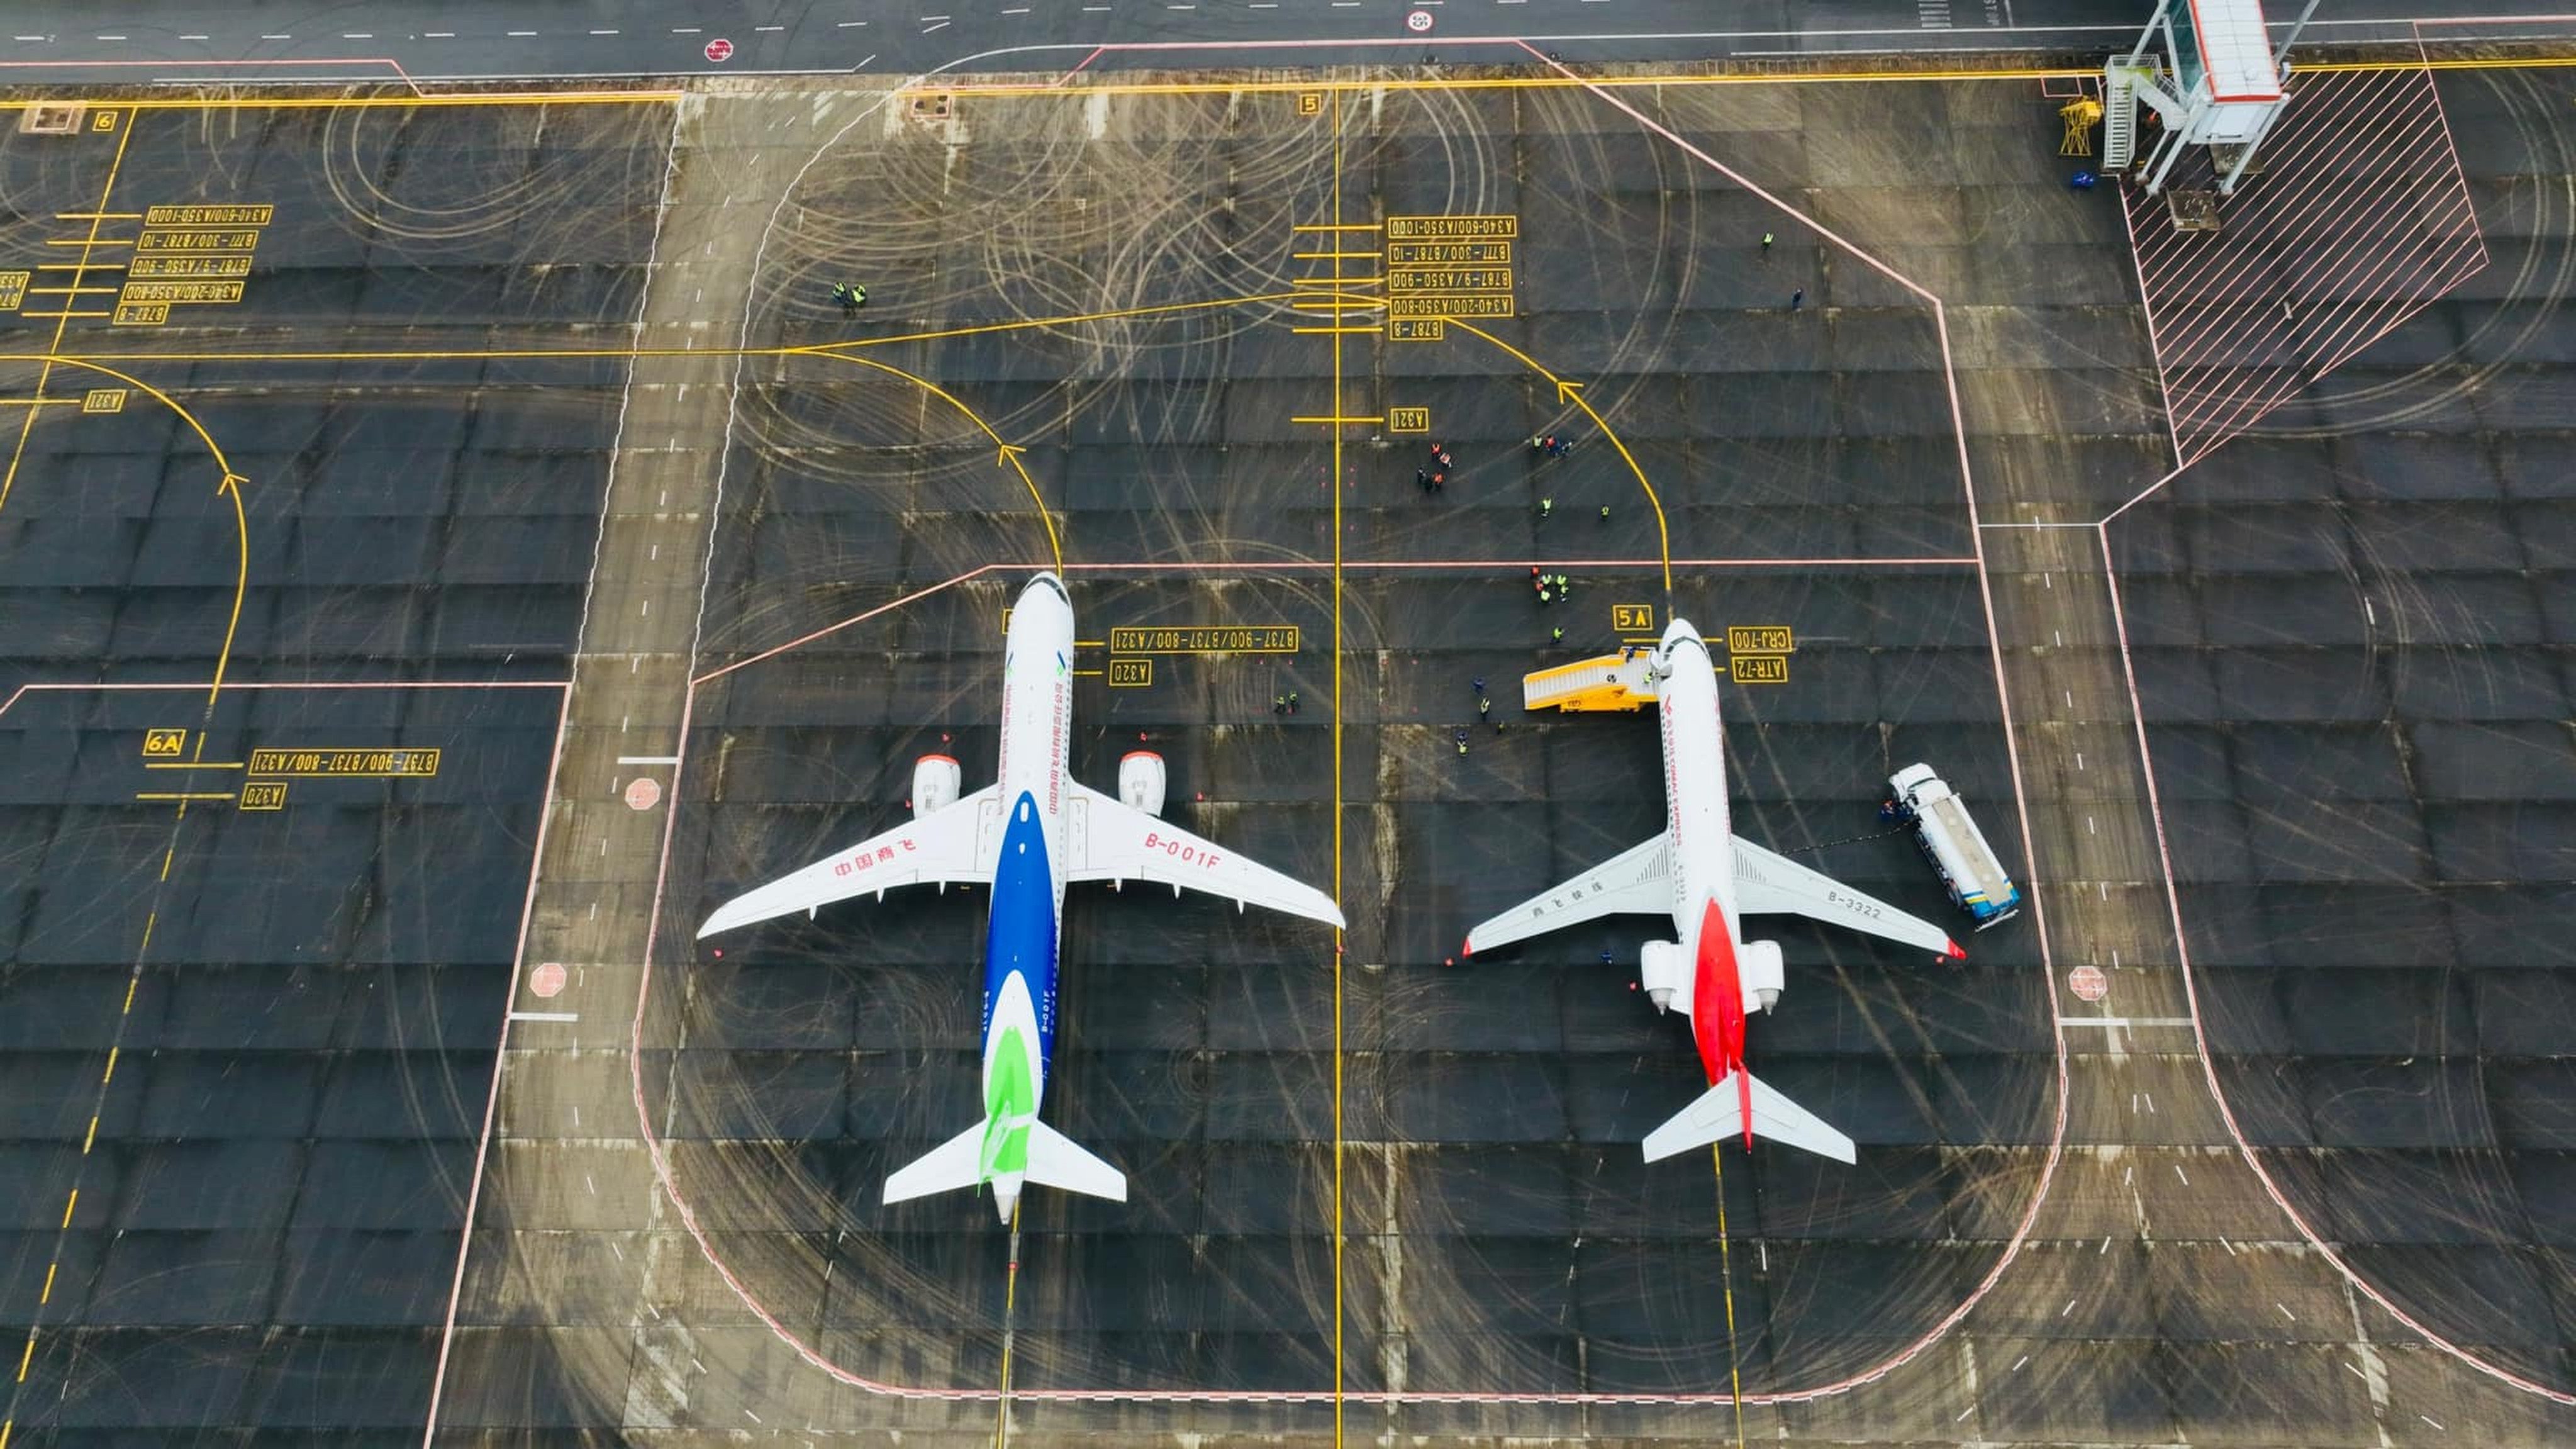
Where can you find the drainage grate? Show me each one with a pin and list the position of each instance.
(2193, 210)
(56, 118)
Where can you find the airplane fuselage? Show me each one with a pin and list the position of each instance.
(1027, 920)
(1699, 838)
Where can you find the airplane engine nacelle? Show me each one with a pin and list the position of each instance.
(1140, 780)
(934, 785)
(1665, 972)
(1758, 968)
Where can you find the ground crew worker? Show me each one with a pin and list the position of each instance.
(1558, 636)
(1564, 587)
(841, 294)
(1484, 706)
(858, 297)
(1605, 513)
(1462, 742)
(1279, 704)
(1766, 246)
(1480, 684)
(1797, 299)
(1292, 701)
(1546, 506)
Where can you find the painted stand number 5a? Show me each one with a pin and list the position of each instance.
(1419, 22)
(720, 50)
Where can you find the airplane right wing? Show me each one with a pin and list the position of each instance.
(1767, 884)
(946, 847)
(1633, 882)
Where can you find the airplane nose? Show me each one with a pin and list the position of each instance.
(1005, 1200)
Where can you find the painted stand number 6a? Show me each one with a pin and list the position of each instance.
(1419, 22)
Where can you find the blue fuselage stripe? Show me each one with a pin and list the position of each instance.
(1021, 933)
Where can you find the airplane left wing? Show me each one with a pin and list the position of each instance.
(1633, 882)
(1108, 839)
(944, 847)
(1767, 883)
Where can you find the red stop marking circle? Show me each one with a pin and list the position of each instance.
(1419, 22)
(643, 794)
(547, 979)
(720, 50)
(2089, 982)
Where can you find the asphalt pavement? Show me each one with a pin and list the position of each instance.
(56, 42)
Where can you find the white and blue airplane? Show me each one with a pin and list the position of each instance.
(1026, 836)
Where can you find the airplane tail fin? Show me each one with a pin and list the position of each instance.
(952, 1166)
(958, 1164)
(1720, 1113)
(1055, 1161)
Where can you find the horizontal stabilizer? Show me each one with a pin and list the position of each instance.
(952, 1166)
(1718, 1115)
(1055, 1161)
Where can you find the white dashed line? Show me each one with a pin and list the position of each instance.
(38, 38)
(192, 37)
(357, 35)
(686, 30)
(277, 37)
(521, 34)
(1180, 7)
(769, 27)
(603, 32)
(111, 37)
(942, 25)
(438, 35)
(849, 24)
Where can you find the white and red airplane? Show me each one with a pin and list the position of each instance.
(1708, 879)
(1026, 835)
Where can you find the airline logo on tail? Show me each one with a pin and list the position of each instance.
(1010, 1105)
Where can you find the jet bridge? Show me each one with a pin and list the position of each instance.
(2206, 71)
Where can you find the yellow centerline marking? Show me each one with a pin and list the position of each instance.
(1340, 936)
(1010, 1301)
(1726, 1289)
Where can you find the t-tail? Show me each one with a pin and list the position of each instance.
(1007, 1152)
